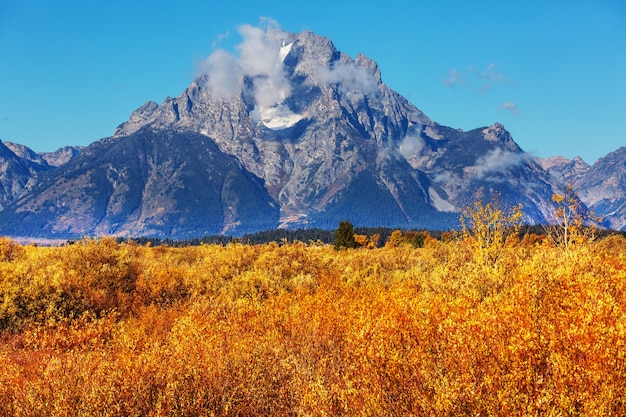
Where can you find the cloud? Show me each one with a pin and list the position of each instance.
(489, 74)
(351, 78)
(492, 164)
(510, 107)
(223, 73)
(258, 59)
(259, 49)
(411, 145)
(455, 78)
(484, 80)
(219, 39)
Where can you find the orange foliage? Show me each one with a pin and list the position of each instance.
(101, 328)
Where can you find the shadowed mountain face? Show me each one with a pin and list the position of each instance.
(150, 183)
(290, 133)
(17, 174)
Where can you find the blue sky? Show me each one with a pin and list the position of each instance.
(553, 72)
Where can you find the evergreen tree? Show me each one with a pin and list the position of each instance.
(344, 237)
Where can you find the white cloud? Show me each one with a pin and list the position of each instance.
(223, 73)
(258, 58)
(411, 145)
(493, 163)
(259, 49)
(351, 78)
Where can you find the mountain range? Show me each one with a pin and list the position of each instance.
(292, 133)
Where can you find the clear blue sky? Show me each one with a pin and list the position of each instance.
(553, 72)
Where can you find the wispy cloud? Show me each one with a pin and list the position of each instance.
(489, 74)
(510, 107)
(219, 39)
(411, 146)
(454, 78)
(483, 79)
(491, 166)
(351, 78)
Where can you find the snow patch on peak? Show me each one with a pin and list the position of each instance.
(284, 51)
(279, 117)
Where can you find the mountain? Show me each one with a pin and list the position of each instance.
(150, 183)
(292, 133)
(563, 169)
(61, 155)
(45, 159)
(333, 142)
(603, 188)
(17, 174)
(26, 153)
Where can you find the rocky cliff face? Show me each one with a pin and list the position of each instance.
(17, 173)
(603, 188)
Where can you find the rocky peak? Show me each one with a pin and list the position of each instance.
(62, 155)
(497, 133)
(17, 173)
(579, 166)
(602, 187)
(26, 153)
(553, 162)
(563, 169)
(370, 64)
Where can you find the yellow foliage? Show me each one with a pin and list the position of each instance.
(488, 226)
(361, 240)
(109, 329)
(574, 224)
(396, 239)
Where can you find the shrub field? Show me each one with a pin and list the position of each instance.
(101, 328)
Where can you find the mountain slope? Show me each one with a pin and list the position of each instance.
(17, 174)
(603, 188)
(150, 183)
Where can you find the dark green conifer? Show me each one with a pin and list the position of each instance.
(344, 237)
